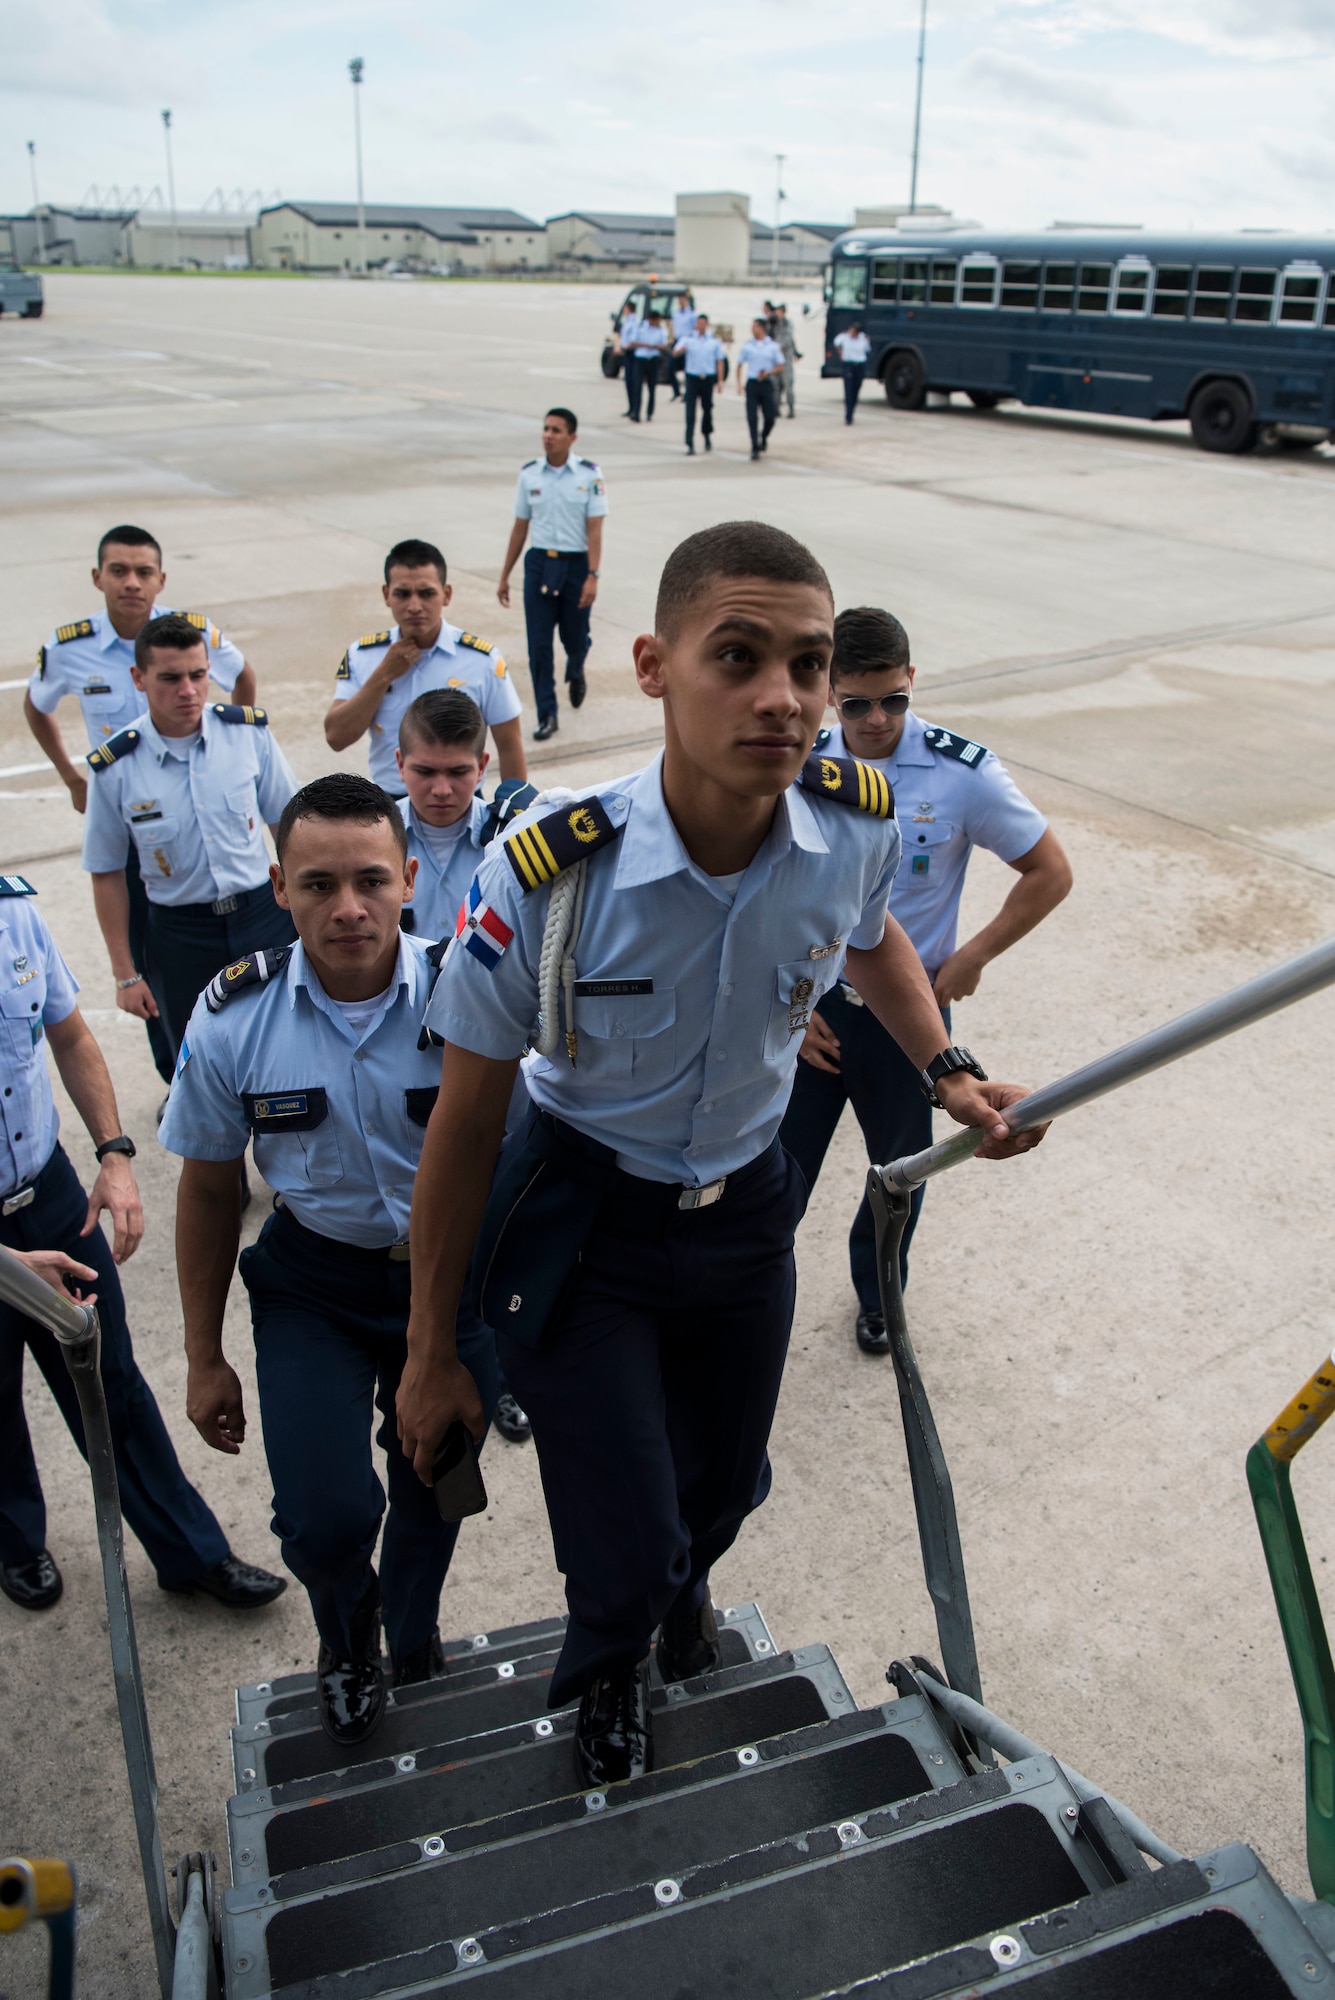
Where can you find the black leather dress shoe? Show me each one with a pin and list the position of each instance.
(352, 1692)
(240, 1586)
(614, 1735)
(871, 1334)
(35, 1585)
(688, 1643)
(424, 1663)
(511, 1421)
(545, 729)
(577, 687)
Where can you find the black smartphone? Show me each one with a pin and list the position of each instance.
(456, 1477)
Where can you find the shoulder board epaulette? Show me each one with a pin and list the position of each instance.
(527, 463)
(513, 796)
(202, 624)
(115, 746)
(14, 885)
(235, 711)
(478, 645)
(372, 639)
(961, 748)
(541, 852)
(851, 783)
(256, 970)
(592, 463)
(822, 738)
(81, 629)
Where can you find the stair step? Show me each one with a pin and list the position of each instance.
(275, 1751)
(826, 1774)
(343, 1813)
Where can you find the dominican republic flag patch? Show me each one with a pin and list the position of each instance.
(480, 930)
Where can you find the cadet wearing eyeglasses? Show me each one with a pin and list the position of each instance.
(951, 795)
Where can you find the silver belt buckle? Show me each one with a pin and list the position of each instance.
(398, 1253)
(703, 1197)
(23, 1199)
(223, 907)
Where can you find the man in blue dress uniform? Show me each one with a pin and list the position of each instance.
(660, 945)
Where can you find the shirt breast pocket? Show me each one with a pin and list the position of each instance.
(157, 841)
(632, 1035)
(105, 711)
(243, 807)
(295, 1135)
(925, 849)
(21, 1013)
(797, 988)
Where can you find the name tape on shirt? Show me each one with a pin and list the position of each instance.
(480, 930)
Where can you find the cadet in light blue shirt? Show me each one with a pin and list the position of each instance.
(759, 364)
(442, 758)
(192, 785)
(318, 1052)
(706, 367)
(951, 795)
(564, 498)
(650, 341)
(659, 944)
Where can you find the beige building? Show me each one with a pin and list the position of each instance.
(323, 236)
(713, 236)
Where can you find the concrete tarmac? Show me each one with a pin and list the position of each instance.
(1146, 635)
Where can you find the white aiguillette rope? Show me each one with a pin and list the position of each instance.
(556, 961)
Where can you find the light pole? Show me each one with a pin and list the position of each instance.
(917, 110)
(37, 220)
(355, 69)
(779, 159)
(171, 185)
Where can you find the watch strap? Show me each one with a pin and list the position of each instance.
(120, 1144)
(949, 1062)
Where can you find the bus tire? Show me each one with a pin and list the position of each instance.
(983, 399)
(1221, 417)
(905, 380)
(611, 364)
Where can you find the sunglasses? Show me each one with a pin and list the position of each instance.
(855, 706)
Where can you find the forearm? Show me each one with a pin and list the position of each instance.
(894, 983)
(1036, 893)
(208, 1236)
(347, 720)
(111, 900)
(84, 1073)
(243, 692)
(450, 1194)
(50, 739)
(509, 740)
(596, 542)
(518, 536)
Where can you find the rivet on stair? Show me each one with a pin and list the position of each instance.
(595, 1801)
(432, 1846)
(506, 1670)
(1005, 1950)
(748, 1756)
(849, 1832)
(406, 1763)
(470, 1951)
(667, 1891)
(248, 1776)
(543, 1728)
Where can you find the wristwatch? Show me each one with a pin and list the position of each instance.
(120, 1145)
(592, 572)
(950, 1062)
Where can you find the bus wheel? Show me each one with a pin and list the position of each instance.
(983, 399)
(611, 363)
(1221, 418)
(905, 381)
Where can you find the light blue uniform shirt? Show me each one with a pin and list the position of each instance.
(350, 1176)
(683, 321)
(650, 340)
(94, 666)
(560, 501)
(196, 816)
(37, 991)
(687, 1076)
(457, 660)
(703, 352)
(946, 806)
(438, 891)
(758, 356)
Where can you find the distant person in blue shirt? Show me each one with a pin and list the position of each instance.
(759, 362)
(683, 322)
(706, 366)
(651, 340)
(951, 795)
(562, 498)
(854, 347)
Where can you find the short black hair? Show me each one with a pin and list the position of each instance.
(129, 538)
(568, 418)
(341, 795)
(415, 555)
(868, 641)
(172, 633)
(444, 716)
(732, 548)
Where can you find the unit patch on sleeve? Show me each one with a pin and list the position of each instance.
(960, 748)
(851, 783)
(344, 670)
(480, 930)
(541, 852)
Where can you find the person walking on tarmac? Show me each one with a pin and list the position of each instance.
(92, 659)
(651, 340)
(784, 334)
(638, 1244)
(564, 499)
(318, 1052)
(952, 796)
(854, 347)
(759, 362)
(46, 1213)
(683, 323)
(705, 367)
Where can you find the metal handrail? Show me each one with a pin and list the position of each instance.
(76, 1328)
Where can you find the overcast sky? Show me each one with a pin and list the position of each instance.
(1195, 113)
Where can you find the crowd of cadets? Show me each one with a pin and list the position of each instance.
(518, 1070)
(685, 339)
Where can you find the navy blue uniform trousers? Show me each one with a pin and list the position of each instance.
(883, 1087)
(164, 1062)
(177, 1529)
(853, 374)
(552, 585)
(188, 944)
(651, 1396)
(331, 1324)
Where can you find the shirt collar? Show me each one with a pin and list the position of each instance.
(164, 746)
(555, 471)
(476, 813)
(409, 972)
(912, 747)
(652, 849)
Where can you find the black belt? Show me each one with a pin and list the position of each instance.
(634, 1187)
(332, 1247)
(225, 905)
(561, 555)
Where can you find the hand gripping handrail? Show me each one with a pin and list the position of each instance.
(76, 1328)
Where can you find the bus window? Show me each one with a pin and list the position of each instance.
(1095, 284)
(1019, 286)
(978, 281)
(850, 285)
(1172, 285)
(913, 282)
(1329, 319)
(943, 281)
(1298, 297)
(1214, 290)
(1058, 287)
(884, 281)
(1133, 289)
(1256, 296)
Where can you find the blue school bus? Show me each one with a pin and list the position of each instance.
(1236, 333)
